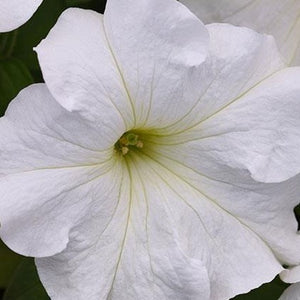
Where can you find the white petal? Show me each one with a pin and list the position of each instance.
(159, 46)
(50, 160)
(259, 131)
(266, 209)
(276, 17)
(248, 116)
(214, 159)
(85, 269)
(291, 275)
(14, 13)
(79, 68)
(110, 254)
(239, 59)
(141, 59)
(208, 161)
(264, 127)
(38, 208)
(165, 240)
(36, 132)
(291, 293)
(235, 257)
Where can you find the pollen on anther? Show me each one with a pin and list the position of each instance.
(128, 141)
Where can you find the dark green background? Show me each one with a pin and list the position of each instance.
(18, 69)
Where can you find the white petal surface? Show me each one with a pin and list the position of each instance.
(291, 293)
(263, 127)
(238, 59)
(165, 240)
(85, 269)
(37, 132)
(254, 204)
(144, 62)
(258, 131)
(291, 275)
(50, 160)
(276, 17)
(165, 45)
(115, 259)
(14, 13)
(244, 107)
(79, 67)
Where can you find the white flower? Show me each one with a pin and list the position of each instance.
(14, 13)
(281, 18)
(145, 189)
(291, 293)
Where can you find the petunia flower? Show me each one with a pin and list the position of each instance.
(291, 293)
(14, 13)
(280, 18)
(162, 165)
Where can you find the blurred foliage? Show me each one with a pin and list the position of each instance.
(8, 263)
(19, 68)
(25, 284)
(30, 34)
(14, 76)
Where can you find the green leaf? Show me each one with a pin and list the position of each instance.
(78, 3)
(9, 261)
(14, 76)
(97, 5)
(268, 291)
(7, 43)
(25, 284)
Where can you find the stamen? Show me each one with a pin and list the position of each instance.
(128, 141)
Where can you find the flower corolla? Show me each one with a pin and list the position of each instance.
(160, 160)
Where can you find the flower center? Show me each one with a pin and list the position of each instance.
(127, 142)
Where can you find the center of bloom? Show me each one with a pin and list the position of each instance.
(128, 141)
